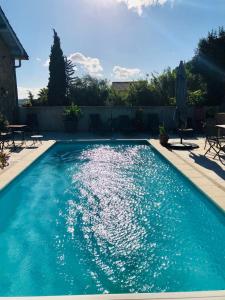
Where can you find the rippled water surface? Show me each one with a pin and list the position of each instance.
(93, 218)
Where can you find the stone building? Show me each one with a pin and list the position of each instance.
(11, 55)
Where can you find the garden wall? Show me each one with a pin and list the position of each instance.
(51, 118)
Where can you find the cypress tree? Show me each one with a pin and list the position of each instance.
(57, 74)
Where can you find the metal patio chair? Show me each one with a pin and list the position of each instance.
(220, 151)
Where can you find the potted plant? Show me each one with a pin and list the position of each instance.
(163, 136)
(71, 117)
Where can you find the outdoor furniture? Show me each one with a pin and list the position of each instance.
(124, 124)
(17, 129)
(211, 134)
(5, 137)
(185, 132)
(213, 144)
(37, 138)
(221, 149)
(219, 128)
(32, 123)
(95, 122)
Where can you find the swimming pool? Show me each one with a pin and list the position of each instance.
(112, 217)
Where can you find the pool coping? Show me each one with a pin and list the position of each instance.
(154, 296)
(209, 188)
(18, 167)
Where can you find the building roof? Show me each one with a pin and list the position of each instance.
(10, 38)
(122, 85)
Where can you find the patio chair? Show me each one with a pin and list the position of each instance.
(95, 123)
(210, 135)
(124, 124)
(32, 123)
(5, 138)
(153, 123)
(33, 129)
(221, 149)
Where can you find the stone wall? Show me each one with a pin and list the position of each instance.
(51, 118)
(8, 88)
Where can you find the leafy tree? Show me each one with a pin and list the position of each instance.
(209, 62)
(43, 96)
(57, 74)
(117, 97)
(30, 96)
(163, 87)
(140, 93)
(89, 91)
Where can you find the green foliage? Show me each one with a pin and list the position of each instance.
(43, 96)
(89, 91)
(164, 87)
(30, 97)
(117, 97)
(57, 84)
(162, 130)
(196, 97)
(3, 123)
(140, 93)
(209, 62)
(72, 112)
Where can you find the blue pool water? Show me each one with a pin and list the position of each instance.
(91, 218)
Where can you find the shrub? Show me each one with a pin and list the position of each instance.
(72, 112)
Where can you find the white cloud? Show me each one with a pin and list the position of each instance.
(38, 59)
(138, 5)
(122, 73)
(23, 92)
(46, 63)
(91, 65)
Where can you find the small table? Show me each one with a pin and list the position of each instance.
(184, 131)
(219, 127)
(37, 138)
(17, 128)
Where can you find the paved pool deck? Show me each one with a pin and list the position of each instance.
(218, 295)
(206, 173)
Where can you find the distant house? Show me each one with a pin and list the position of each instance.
(122, 86)
(11, 54)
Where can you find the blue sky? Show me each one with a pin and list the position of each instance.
(113, 39)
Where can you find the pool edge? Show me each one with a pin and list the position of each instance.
(19, 167)
(211, 295)
(13, 172)
(208, 187)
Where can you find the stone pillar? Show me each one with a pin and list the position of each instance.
(8, 88)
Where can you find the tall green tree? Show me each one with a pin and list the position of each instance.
(57, 74)
(209, 61)
(89, 91)
(140, 93)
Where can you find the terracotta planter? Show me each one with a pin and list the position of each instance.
(163, 138)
